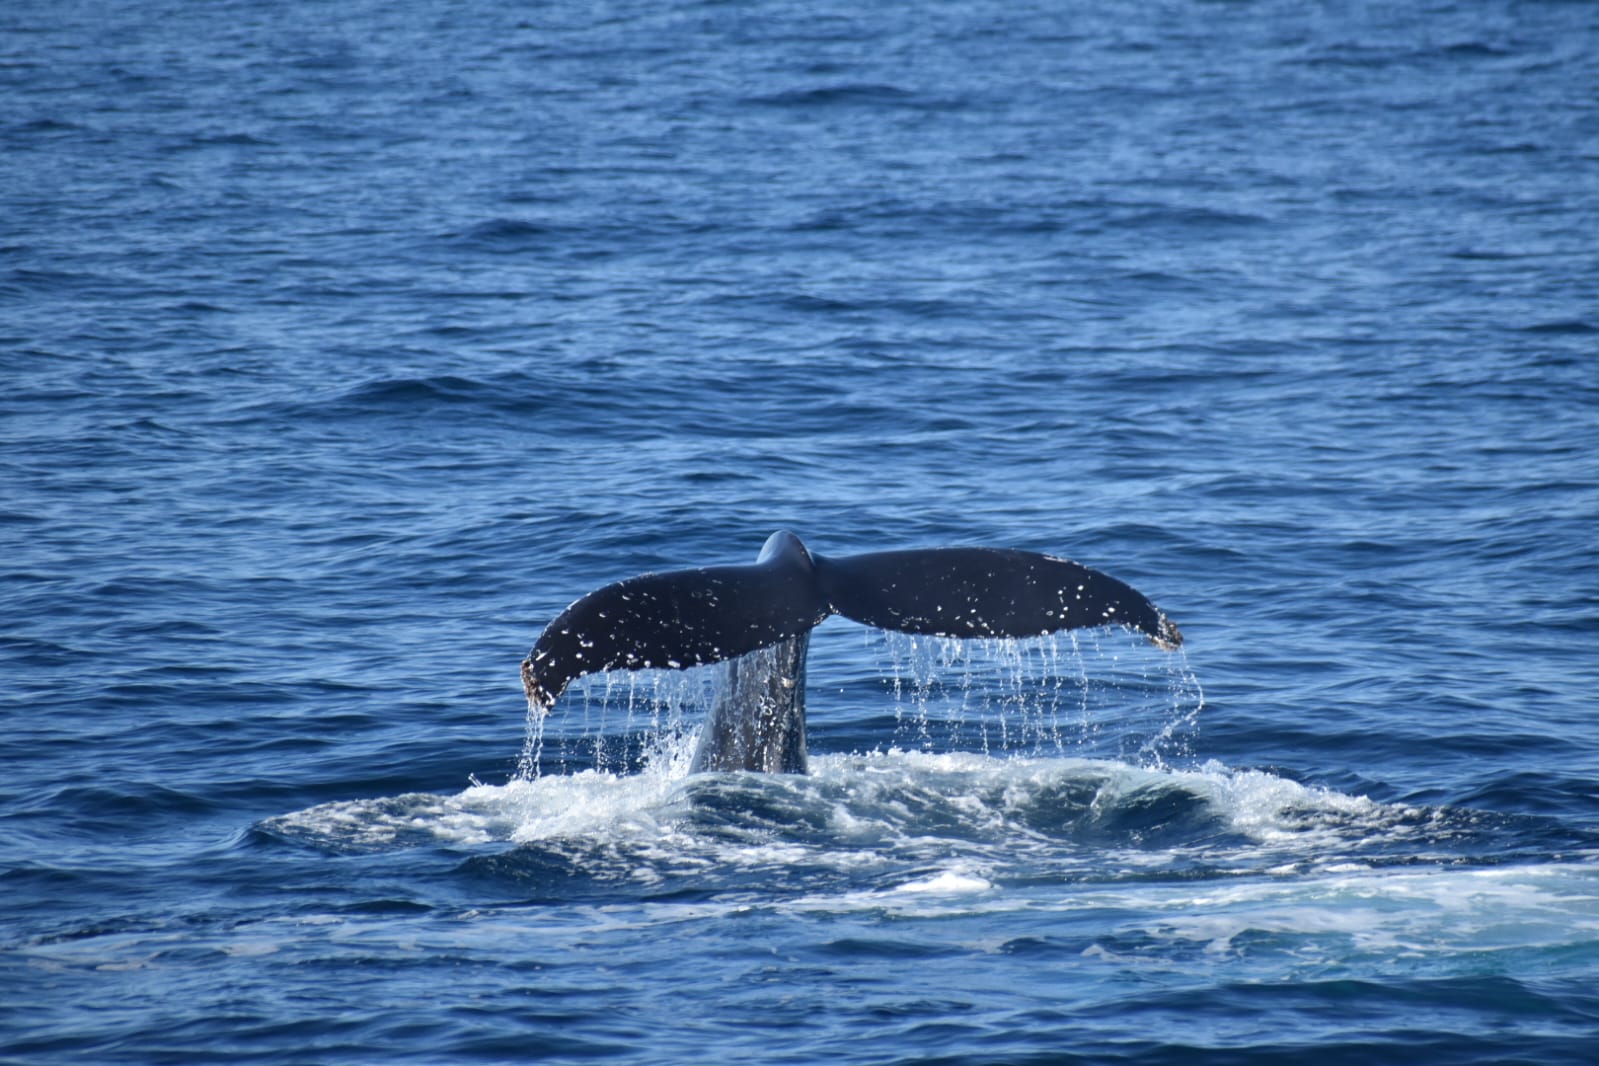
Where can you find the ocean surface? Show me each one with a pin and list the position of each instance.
(343, 344)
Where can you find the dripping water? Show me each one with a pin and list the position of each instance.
(1089, 694)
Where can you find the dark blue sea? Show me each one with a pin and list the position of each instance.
(344, 344)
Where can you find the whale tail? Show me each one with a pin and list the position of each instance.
(692, 617)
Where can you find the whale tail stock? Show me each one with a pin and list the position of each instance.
(692, 617)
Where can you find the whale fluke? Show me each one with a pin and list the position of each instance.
(692, 617)
(678, 619)
(985, 592)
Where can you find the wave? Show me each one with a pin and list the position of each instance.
(1127, 865)
(853, 94)
(1079, 818)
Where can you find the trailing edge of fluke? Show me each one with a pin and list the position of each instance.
(691, 617)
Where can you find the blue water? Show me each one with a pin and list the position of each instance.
(344, 344)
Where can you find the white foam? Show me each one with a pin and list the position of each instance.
(1280, 860)
(1393, 913)
(947, 883)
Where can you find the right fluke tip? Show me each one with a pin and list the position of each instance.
(1168, 637)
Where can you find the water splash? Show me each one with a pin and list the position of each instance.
(1008, 819)
(527, 764)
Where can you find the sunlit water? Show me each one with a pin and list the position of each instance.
(344, 345)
